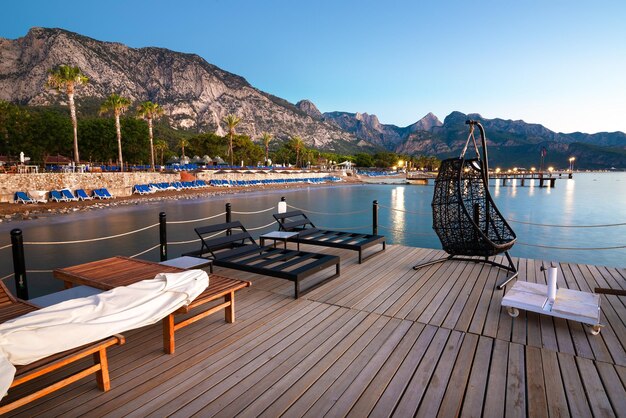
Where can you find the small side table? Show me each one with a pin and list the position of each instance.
(186, 262)
(277, 236)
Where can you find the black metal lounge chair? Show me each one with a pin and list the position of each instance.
(230, 245)
(307, 233)
(465, 217)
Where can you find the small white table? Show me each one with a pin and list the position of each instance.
(569, 304)
(277, 236)
(186, 262)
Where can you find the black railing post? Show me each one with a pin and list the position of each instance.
(163, 236)
(229, 216)
(375, 217)
(282, 199)
(19, 265)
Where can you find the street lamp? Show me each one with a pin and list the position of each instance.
(571, 163)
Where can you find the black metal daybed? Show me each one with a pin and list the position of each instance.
(307, 233)
(230, 245)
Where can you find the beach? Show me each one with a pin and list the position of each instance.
(17, 211)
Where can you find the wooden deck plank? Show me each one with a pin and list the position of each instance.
(516, 382)
(386, 403)
(332, 353)
(496, 395)
(555, 393)
(596, 394)
(535, 384)
(411, 397)
(375, 388)
(477, 384)
(360, 352)
(457, 384)
(613, 387)
(574, 389)
(439, 382)
(252, 387)
(341, 395)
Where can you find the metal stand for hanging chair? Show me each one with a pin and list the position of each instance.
(465, 217)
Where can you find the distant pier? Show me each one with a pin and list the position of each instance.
(544, 179)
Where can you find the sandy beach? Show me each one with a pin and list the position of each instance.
(15, 211)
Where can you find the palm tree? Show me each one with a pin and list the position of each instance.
(231, 121)
(267, 137)
(298, 143)
(67, 78)
(117, 105)
(161, 145)
(149, 111)
(182, 144)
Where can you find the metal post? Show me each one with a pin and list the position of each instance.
(163, 236)
(228, 217)
(282, 199)
(375, 217)
(19, 265)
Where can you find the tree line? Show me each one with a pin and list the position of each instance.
(141, 139)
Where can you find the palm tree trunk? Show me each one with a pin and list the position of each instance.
(118, 129)
(70, 98)
(151, 144)
(267, 152)
(230, 149)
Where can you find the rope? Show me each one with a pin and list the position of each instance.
(345, 229)
(6, 277)
(6, 246)
(254, 213)
(143, 252)
(183, 242)
(328, 213)
(197, 220)
(572, 248)
(260, 227)
(567, 226)
(39, 271)
(403, 210)
(91, 239)
(403, 231)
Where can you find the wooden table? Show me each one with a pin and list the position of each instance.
(122, 271)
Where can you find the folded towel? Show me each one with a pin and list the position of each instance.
(77, 322)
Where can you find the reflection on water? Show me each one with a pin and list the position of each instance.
(589, 199)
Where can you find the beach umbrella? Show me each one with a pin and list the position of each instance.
(206, 159)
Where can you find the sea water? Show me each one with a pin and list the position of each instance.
(564, 223)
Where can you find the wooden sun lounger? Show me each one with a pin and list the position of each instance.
(234, 248)
(297, 221)
(10, 308)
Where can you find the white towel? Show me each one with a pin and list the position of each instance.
(77, 322)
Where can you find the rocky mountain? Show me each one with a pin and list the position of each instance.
(194, 93)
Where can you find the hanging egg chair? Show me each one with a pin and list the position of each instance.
(465, 217)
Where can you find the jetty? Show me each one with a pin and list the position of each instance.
(380, 340)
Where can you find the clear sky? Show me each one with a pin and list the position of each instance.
(561, 63)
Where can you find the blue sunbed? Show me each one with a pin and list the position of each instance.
(22, 197)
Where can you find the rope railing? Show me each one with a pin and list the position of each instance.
(404, 210)
(197, 220)
(345, 229)
(567, 226)
(145, 251)
(329, 213)
(404, 231)
(255, 212)
(184, 242)
(261, 227)
(617, 247)
(5, 246)
(7, 276)
(39, 271)
(80, 241)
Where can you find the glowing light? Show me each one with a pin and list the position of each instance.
(497, 169)
(551, 169)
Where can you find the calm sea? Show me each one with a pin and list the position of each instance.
(590, 199)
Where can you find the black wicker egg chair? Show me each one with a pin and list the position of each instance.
(465, 217)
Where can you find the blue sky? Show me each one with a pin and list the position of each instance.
(558, 63)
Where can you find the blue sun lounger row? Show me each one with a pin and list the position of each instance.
(176, 185)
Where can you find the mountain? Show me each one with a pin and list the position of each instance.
(195, 94)
(517, 143)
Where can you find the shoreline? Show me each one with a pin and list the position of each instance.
(21, 212)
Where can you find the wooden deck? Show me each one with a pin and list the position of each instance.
(380, 340)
